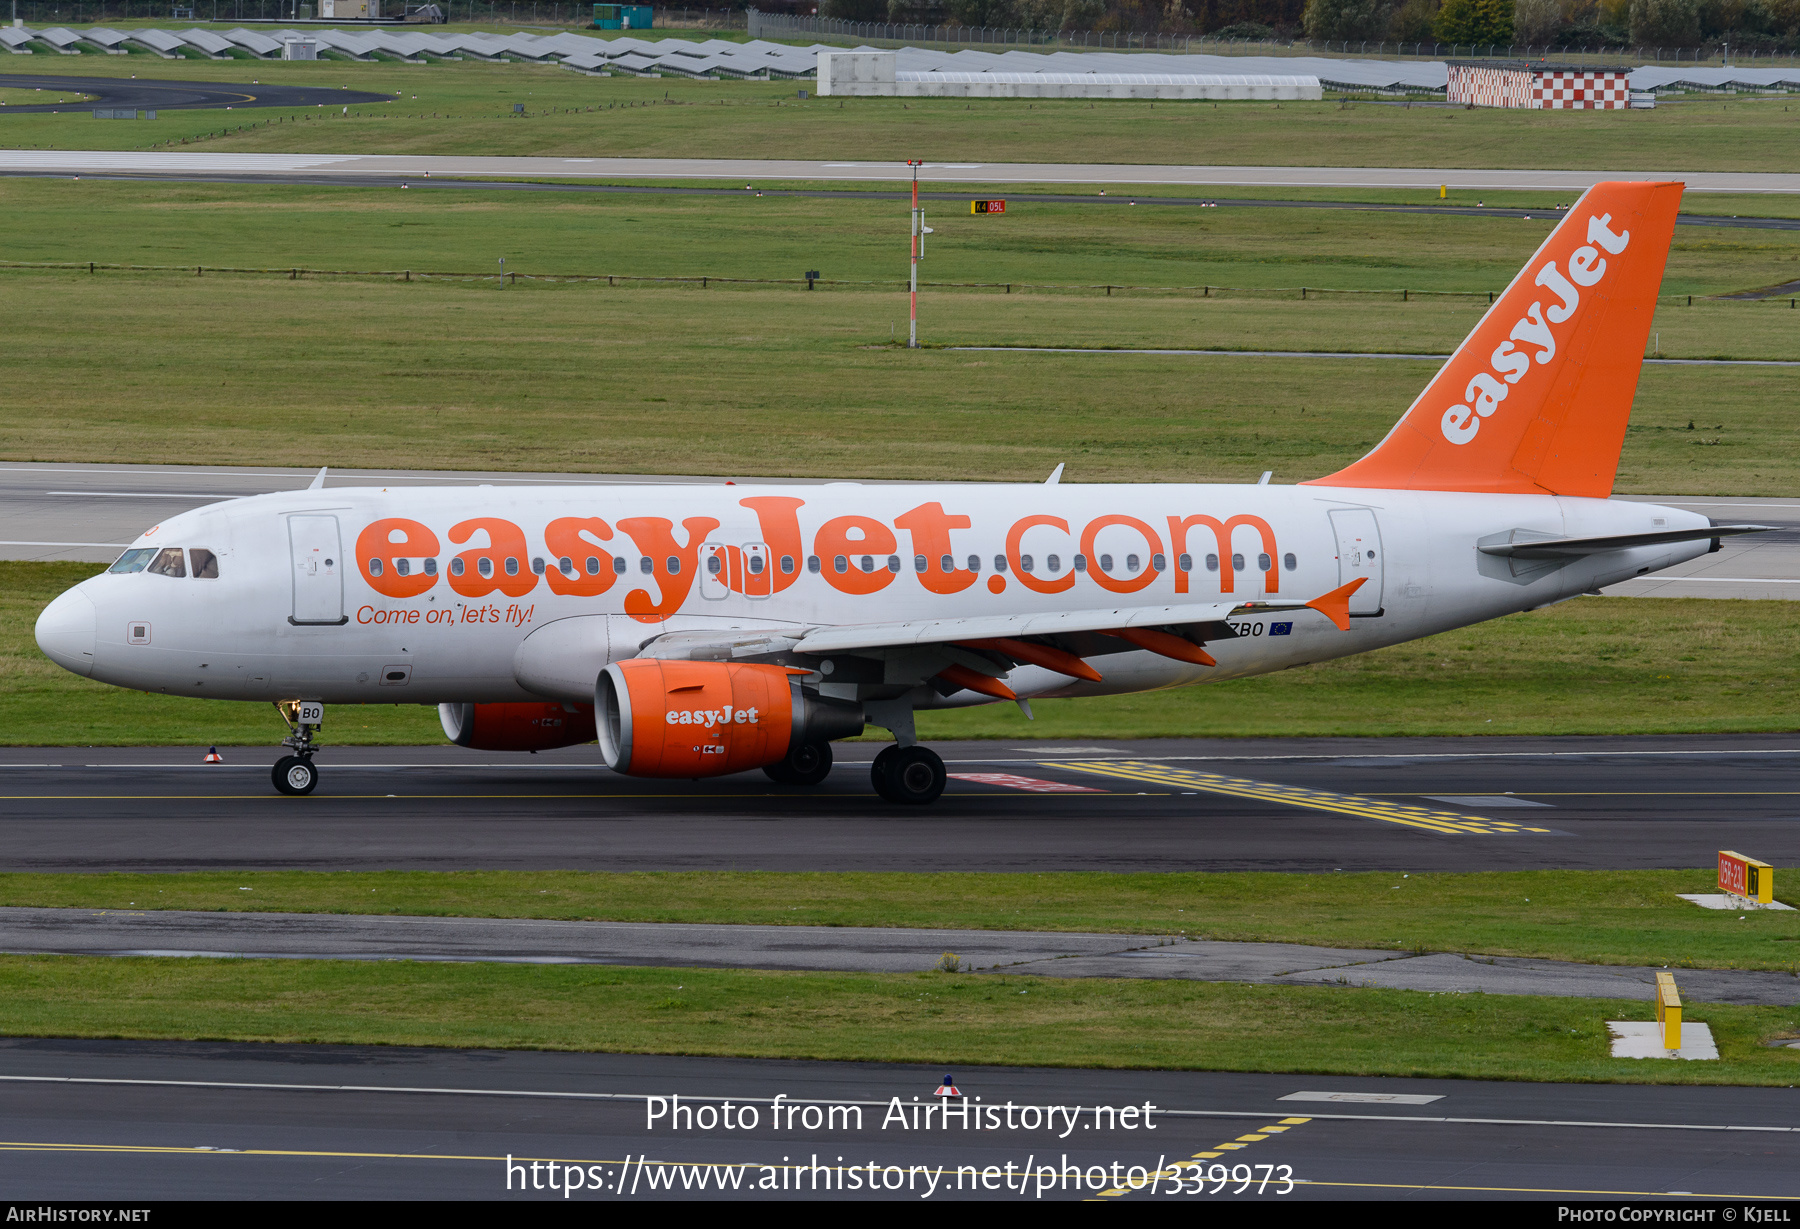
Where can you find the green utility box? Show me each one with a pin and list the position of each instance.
(623, 17)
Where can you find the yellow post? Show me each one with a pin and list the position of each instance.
(1668, 1010)
(1443, 191)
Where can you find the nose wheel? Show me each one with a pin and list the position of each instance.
(295, 774)
(910, 776)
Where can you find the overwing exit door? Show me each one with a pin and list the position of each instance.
(318, 571)
(1360, 553)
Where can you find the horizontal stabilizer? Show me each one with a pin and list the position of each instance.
(1555, 548)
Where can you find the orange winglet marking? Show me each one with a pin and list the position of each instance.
(964, 677)
(1163, 644)
(1038, 655)
(1336, 604)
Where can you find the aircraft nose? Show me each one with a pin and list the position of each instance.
(66, 631)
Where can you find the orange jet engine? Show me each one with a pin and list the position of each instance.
(536, 726)
(691, 719)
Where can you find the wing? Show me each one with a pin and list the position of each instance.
(976, 653)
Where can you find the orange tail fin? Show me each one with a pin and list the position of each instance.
(1536, 398)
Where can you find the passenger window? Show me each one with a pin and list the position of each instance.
(537, 565)
(868, 563)
(431, 567)
(999, 563)
(674, 565)
(1081, 563)
(1212, 563)
(1237, 563)
(485, 566)
(512, 566)
(787, 565)
(645, 566)
(168, 562)
(713, 565)
(756, 565)
(919, 563)
(1053, 562)
(619, 566)
(1106, 563)
(206, 564)
(947, 563)
(133, 560)
(839, 564)
(1289, 562)
(457, 566)
(1131, 563)
(375, 565)
(974, 563)
(402, 566)
(812, 563)
(893, 563)
(1159, 563)
(1264, 563)
(1186, 562)
(1024, 563)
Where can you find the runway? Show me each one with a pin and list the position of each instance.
(147, 94)
(1157, 805)
(147, 1120)
(90, 512)
(353, 167)
(179, 934)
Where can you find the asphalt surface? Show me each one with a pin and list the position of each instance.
(353, 167)
(145, 1120)
(115, 93)
(1318, 805)
(89, 512)
(1726, 221)
(178, 933)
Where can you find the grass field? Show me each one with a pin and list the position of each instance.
(746, 236)
(781, 382)
(1596, 917)
(1591, 666)
(944, 1019)
(466, 108)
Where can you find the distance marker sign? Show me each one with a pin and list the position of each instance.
(987, 206)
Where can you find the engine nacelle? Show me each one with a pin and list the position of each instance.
(537, 726)
(659, 718)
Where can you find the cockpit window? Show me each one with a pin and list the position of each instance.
(206, 564)
(168, 562)
(133, 560)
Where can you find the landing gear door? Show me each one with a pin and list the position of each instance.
(318, 571)
(758, 582)
(1360, 553)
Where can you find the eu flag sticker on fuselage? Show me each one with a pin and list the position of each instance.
(1280, 629)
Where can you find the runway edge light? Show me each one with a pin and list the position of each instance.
(947, 1088)
(212, 756)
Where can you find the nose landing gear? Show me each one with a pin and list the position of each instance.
(295, 774)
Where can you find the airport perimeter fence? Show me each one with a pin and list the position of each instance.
(707, 281)
(789, 27)
(563, 13)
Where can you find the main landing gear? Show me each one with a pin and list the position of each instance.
(912, 776)
(295, 774)
(806, 764)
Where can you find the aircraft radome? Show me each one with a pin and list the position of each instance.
(702, 630)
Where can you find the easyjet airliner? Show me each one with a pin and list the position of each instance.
(698, 631)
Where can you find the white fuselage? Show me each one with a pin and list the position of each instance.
(296, 612)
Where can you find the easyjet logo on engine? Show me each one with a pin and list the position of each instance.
(1509, 364)
(710, 717)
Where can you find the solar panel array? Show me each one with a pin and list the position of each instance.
(758, 59)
